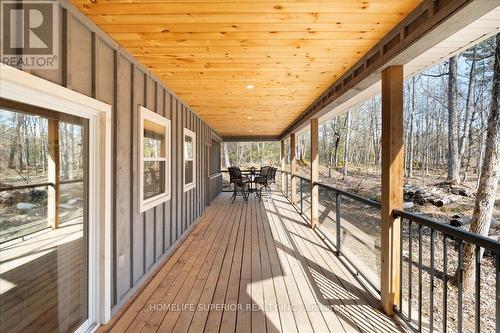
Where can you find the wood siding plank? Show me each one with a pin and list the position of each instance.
(79, 57)
(138, 245)
(123, 171)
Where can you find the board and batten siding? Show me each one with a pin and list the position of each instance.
(94, 65)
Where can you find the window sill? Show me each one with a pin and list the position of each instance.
(189, 187)
(153, 202)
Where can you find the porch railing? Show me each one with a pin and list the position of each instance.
(458, 247)
(340, 230)
(356, 237)
(38, 220)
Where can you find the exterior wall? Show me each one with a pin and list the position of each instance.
(94, 65)
(215, 186)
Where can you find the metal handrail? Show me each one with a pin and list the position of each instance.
(456, 232)
(336, 245)
(451, 231)
(240, 170)
(22, 187)
(298, 176)
(353, 196)
(70, 181)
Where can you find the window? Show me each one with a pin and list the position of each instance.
(154, 167)
(189, 159)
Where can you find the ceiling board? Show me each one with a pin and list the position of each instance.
(208, 51)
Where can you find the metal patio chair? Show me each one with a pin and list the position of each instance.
(239, 182)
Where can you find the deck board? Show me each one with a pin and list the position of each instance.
(253, 267)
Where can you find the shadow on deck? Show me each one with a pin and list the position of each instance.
(253, 267)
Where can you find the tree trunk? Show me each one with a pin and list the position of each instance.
(490, 172)
(410, 134)
(346, 146)
(453, 161)
(14, 142)
(336, 143)
(71, 152)
(469, 104)
(481, 150)
(226, 156)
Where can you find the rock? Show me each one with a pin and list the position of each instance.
(38, 194)
(408, 205)
(464, 222)
(73, 201)
(488, 252)
(494, 222)
(25, 206)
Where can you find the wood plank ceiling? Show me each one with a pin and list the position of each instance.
(209, 52)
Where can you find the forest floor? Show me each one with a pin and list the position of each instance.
(367, 184)
(24, 211)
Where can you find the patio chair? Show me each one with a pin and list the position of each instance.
(239, 182)
(266, 179)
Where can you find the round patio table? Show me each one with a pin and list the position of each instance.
(251, 175)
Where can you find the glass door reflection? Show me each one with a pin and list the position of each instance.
(43, 264)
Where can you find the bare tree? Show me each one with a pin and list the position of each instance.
(410, 134)
(490, 173)
(453, 161)
(468, 108)
(346, 142)
(226, 155)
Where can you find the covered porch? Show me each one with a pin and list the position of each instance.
(253, 266)
(144, 95)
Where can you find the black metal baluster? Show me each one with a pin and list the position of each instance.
(337, 217)
(445, 284)
(410, 264)
(460, 276)
(497, 314)
(401, 221)
(301, 196)
(420, 278)
(289, 186)
(478, 288)
(285, 186)
(431, 298)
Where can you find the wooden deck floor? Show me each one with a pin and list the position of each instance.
(253, 267)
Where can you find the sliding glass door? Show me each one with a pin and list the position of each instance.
(44, 220)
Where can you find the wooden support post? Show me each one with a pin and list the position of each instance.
(293, 169)
(283, 163)
(314, 172)
(53, 162)
(392, 184)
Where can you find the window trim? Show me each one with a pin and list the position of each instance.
(146, 114)
(191, 134)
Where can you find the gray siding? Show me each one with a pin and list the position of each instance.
(93, 65)
(215, 186)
